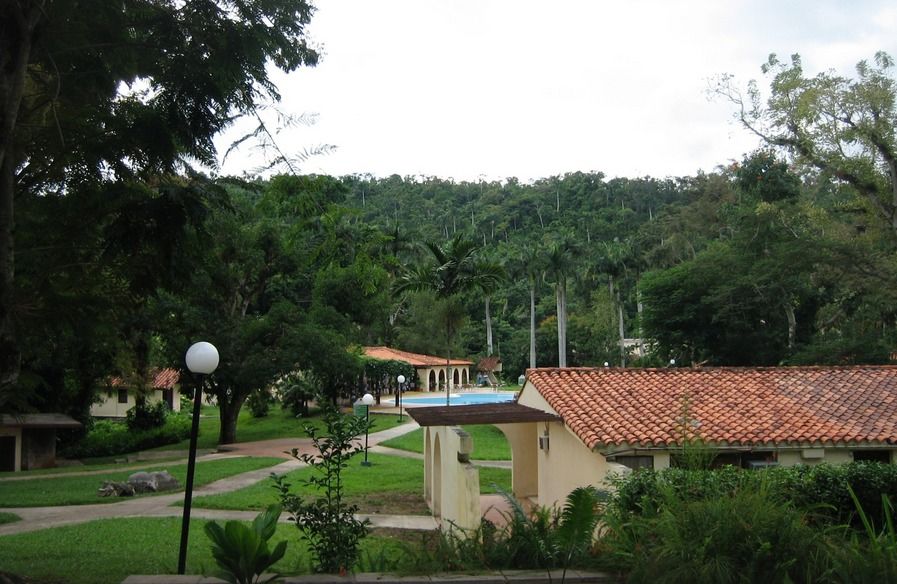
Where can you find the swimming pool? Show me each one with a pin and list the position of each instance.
(461, 399)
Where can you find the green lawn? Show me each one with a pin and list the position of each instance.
(82, 490)
(392, 484)
(488, 442)
(89, 466)
(107, 551)
(277, 424)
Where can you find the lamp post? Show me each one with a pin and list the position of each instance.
(367, 399)
(401, 380)
(202, 359)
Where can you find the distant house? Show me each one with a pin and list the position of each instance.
(487, 368)
(433, 372)
(28, 441)
(572, 427)
(118, 397)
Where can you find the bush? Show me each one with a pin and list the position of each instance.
(823, 489)
(110, 438)
(259, 403)
(748, 536)
(146, 417)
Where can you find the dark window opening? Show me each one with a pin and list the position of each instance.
(635, 462)
(883, 456)
(122, 396)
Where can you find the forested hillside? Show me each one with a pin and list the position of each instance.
(753, 264)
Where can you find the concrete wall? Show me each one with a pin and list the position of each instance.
(452, 483)
(38, 448)
(17, 433)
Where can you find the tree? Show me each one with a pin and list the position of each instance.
(559, 263)
(530, 263)
(451, 269)
(841, 127)
(116, 93)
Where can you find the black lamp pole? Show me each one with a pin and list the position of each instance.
(367, 426)
(202, 359)
(191, 467)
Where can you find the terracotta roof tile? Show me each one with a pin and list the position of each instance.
(415, 359)
(612, 406)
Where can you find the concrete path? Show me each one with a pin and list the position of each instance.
(35, 518)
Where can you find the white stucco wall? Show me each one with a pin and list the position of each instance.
(110, 408)
(454, 486)
(567, 463)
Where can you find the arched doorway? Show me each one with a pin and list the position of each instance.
(431, 382)
(456, 377)
(442, 380)
(465, 377)
(437, 478)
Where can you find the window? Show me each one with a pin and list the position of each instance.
(122, 396)
(883, 456)
(635, 462)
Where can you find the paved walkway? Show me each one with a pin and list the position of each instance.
(35, 518)
(494, 507)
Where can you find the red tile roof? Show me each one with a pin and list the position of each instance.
(162, 379)
(734, 406)
(415, 359)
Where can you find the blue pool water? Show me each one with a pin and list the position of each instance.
(461, 399)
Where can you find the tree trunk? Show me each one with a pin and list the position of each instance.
(532, 326)
(792, 325)
(488, 329)
(228, 412)
(622, 330)
(16, 44)
(10, 356)
(562, 322)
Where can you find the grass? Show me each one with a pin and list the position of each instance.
(9, 518)
(82, 490)
(392, 484)
(488, 442)
(278, 423)
(490, 478)
(89, 466)
(107, 551)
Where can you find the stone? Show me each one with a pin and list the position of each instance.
(152, 482)
(115, 489)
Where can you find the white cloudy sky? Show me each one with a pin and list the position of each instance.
(497, 88)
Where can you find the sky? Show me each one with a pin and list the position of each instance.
(489, 89)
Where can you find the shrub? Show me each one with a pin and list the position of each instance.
(110, 438)
(747, 536)
(146, 417)
(259, 403)
(241, 551)
(327, 523)
(823, 489)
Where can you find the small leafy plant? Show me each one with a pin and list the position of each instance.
(327, 523)
(241, 551)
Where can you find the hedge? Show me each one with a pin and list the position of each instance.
(110, 438)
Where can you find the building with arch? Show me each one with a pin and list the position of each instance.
(433, 373)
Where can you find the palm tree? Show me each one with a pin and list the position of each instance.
(450, 270)
(559, 264)
(529, 263)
